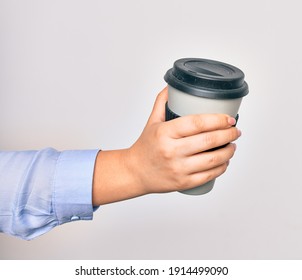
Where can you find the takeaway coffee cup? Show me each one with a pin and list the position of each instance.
(197, 86)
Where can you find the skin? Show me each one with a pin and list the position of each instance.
(168, 156)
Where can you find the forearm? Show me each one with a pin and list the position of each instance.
(114, 180)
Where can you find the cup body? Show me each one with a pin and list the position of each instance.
(202, 86)
(186, 104)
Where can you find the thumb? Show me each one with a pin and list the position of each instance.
(158, 112)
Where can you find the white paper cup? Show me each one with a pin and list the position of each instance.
(202, 86)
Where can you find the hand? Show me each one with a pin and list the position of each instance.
(168, 156)
(174, 155)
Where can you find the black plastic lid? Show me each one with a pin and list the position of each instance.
(207, 78)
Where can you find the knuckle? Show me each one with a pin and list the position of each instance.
(209, 139)
(167, 150)
(164, 153)
(198, 122)
(205, 177)
(215, 173)
(213, 159)
(167, 154)
(181, 183)
(178, 177)
(209, 176)
(222, 120)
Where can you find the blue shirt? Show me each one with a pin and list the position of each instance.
(42, 189)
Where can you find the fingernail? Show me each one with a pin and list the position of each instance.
(239, 133)
(232, 121)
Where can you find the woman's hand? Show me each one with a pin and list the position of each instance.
(168, 156)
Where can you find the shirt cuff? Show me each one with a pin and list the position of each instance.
(72, 185)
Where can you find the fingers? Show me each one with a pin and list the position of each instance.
(158, 112)
(201, 178)
(208, 140)
(196, 124)
(209, 160)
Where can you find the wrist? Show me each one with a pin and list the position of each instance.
(115, 177)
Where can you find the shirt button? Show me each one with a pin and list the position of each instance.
(74, 218)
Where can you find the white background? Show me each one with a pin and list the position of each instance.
(84, 74)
